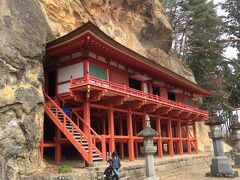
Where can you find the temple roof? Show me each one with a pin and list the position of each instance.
(90, 36)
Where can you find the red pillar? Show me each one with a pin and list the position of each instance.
(99, 127)
(130, 136)
(170, 142)
(111, 129)
(164, 92)
(58, 149)
(143, 120)
(159, 142)
(122, 150)
(195, 137)
(136, 149)
(86, 67)
(188, 138)
(104, 126)
(180, 142)
(121, 143)
(103, 147)
(135, 133)
(134, 128)
(86, 116)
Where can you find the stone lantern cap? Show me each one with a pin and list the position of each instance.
(235, 124)
(148, 132)
(214, 119)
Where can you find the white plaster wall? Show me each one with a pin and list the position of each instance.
(63, 88)
(75, 70)
(145, 87)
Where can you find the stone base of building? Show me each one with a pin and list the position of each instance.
(151, 178)
(236, 166)
(237, 159)
(226, 175)
(165, 168)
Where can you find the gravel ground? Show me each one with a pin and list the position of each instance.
(199, 175)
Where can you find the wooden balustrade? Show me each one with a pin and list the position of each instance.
(130, 91)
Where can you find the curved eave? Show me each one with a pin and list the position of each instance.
(92, 30)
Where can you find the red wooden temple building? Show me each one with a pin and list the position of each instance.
(110, 89)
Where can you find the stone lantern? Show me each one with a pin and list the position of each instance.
(148, 148)
(235, 137)
(220, 166)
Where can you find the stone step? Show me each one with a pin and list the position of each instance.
(122, 174)
(92, 151)
(76, 133)
(83, 141)
(78, 136)
(94, 154)
(97, 159)
(84, 144)
(86, 148)
(125, 178)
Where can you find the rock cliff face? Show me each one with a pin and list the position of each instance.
(25, 26)
(139, 25)
(23, 32)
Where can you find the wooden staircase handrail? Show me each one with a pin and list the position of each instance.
(94, 132)
(185, 131)
(74, 126)
(93, 137)
(72, 123)
(82, 150)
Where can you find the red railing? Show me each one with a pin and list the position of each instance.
(95, 137)
(130, 91)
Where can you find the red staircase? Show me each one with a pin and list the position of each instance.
(86, 145)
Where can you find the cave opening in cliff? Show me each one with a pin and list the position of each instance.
(52, 83)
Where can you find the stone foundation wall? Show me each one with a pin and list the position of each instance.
(171, 167)
(164, 168)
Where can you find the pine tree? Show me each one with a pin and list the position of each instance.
(197, 31)
(205, 28)
(232, 21)
(232, 24)
(179, 19)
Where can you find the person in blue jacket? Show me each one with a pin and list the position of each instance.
(115, 163)
(67, 109)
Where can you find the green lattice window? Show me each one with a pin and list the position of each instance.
(188, 102)
(98, 72)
